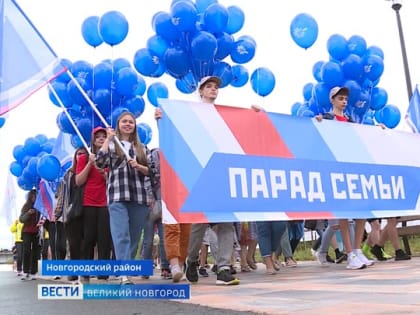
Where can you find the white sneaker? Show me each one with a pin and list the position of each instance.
(176, 273)
(363, 258)
(322, 259)
(353, 262)
(27, 277)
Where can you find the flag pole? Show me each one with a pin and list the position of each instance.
(69, 117)
(92, 105)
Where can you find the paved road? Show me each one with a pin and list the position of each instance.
(386, 288)
(20, 297)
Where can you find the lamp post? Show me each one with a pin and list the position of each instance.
(396, 6)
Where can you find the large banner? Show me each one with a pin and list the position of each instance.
(222, 164)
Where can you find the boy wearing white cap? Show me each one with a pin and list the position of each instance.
(355, 258)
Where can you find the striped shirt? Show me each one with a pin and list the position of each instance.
(124, 182)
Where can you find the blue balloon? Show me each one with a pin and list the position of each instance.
(223, 70)
(141, 86)
(157, 45)
(60, 88)
(48, 167)
(186, 84)
(304, 30)
(120, 63)
(243, 50)
(144, 62)
(32, 146)
(90, 31)
(145, 133)
(41, 138)
(184, 15)
(263, 81)
(337, 47)
(240, 76)
(113, 27)
(236, 19)
(47, 148)
(375, 50)
(321, 95)
(64, 77)
(332, 74)
(391, 116)
(102, 75)
(177, 62)
(373, 66)
(102, 99)
(317, 70)
(135, 105)
(224, 45)
(157, 90)
(16, 169)
(126, 82)
(379, 97)
(357, 45)
(203, 46)
(352, 67)
(216, 18)
(307, 91)
(202, 5)
(163, 26)
(295, 107)
(85, 127)
(74, 92)
(19, 153)
(2, 121)
(82, 69)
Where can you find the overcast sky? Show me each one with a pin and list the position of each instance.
(267, 21)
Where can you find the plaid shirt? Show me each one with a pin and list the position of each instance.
(124, 182)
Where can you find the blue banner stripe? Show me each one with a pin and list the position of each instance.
(295, 130)
(336, 138)
(187, 167)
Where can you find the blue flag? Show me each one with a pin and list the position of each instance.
(27, 62)
(413, 112)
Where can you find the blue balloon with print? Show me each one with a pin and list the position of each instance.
(243, 50)
(304, 30)
(157, 90)
(113, 27)
(90, 31)
(240, 76)
(184, 15)
(263, 81)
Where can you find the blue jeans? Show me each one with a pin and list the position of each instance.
(269, 235)
(127, 220)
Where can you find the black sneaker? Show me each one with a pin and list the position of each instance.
(377, 252)
(340, 257)
(191, 272)
(214, 268)
(330, 260)
(224, 277)
(203, 272)
(401, 255)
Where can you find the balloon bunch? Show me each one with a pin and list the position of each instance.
(358, 67)
(34, 161)
(193, 40)
(112, 85)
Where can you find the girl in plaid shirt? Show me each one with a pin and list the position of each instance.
(129, 187)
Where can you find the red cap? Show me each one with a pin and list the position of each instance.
(99, 128)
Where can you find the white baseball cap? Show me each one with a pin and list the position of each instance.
(209, 79)
(338, 90)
